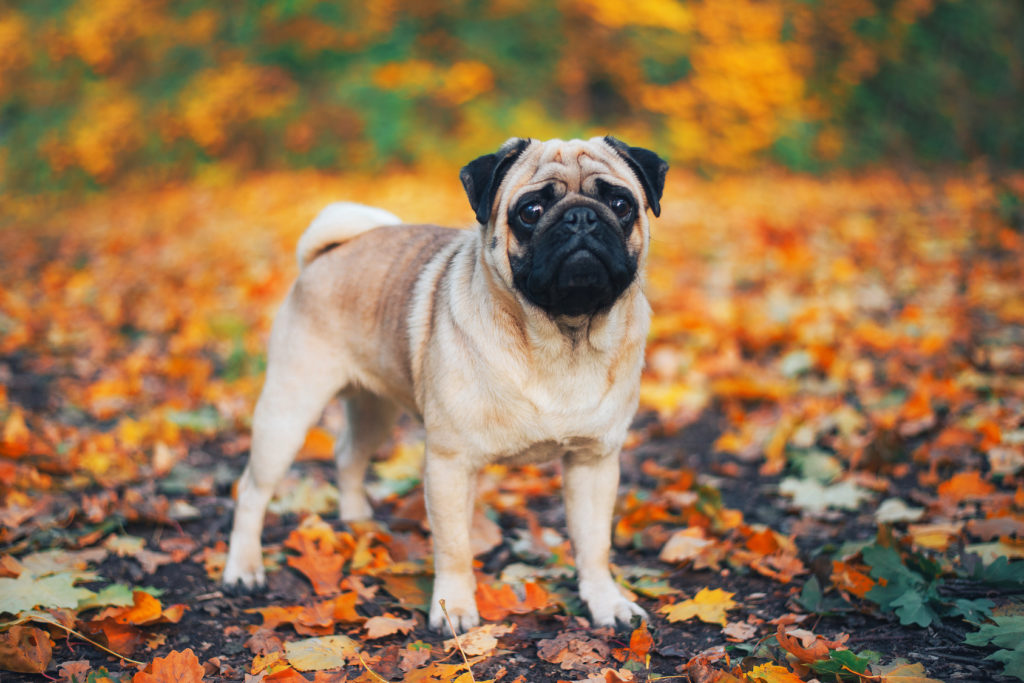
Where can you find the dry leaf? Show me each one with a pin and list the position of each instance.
(573, 651)
(387, 625)
(176, 667)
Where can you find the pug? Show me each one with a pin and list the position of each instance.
(516, 342)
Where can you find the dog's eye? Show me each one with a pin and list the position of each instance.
(531, 213)
(620, 206)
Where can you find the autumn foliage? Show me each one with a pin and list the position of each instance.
(101, 92)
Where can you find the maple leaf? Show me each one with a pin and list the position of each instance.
(324, 652)
(27, 592)
(685, 545)
(25, 649)
(708, 605)
(176, 667)
(573, 651)
(380, 627)
(806, 646)
(814, 497)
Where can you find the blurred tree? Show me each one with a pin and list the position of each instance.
(94, 92)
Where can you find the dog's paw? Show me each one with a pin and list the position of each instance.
(244, 571)
(609, 606)
(460, 602)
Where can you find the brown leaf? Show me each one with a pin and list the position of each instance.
(74, 672)
(25, 649)
(573, 651)
(414, 655)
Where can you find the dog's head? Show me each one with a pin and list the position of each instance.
(565, 222)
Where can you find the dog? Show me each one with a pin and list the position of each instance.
(517, 342)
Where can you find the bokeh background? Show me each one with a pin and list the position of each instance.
(99, 92)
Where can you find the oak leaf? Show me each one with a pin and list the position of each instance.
(708, 605)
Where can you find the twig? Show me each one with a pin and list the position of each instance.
(458, 643)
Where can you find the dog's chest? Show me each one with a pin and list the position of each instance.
(552, 409)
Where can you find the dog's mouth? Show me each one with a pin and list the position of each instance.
(584, 282)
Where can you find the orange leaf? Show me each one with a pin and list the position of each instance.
(322, 569)
(965, 485)
(640, 644)
(851, 580)
(176, 667)
(497, 603)
(319, 445)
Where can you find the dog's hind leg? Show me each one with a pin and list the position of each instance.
(370, 420)
(302, 376)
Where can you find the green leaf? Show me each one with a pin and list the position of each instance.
(1002, 573)
(116, 595)
(973, 610)
(26, 592)
(838, 662)
(1006, 633)
(1012, 660)
(912, 608)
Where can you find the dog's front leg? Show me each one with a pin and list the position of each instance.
(448, 483)
(590, 483)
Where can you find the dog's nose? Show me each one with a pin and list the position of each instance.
(580, 219)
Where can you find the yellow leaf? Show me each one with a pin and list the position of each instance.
(319, 654)
(709, 606)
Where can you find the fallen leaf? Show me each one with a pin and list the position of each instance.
(965, 486)
(414, 655)
(901, 673)
(497, 602)
(812, 496)
(739, 631)
(25, 649)
(481, 640)
(895, 510)
(176, 667)
(27, 592)
(573, 651)
(685, 545)
(772, 673)
(387, 625)
(325, 652)
(708, 605)
(640, 644)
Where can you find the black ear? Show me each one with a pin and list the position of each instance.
(482, 176)
(650, 170)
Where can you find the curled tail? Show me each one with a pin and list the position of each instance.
(337, 223)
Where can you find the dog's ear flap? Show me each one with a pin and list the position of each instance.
(482, 176)
(649, 168)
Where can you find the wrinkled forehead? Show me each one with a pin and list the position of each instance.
(572, 166)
